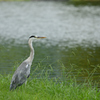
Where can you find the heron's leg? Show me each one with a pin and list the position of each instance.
(25, 83)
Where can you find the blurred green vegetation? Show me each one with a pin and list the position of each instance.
(74, 2)
(84, 2)
(45, 88)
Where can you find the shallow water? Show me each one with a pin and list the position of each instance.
(73, 36)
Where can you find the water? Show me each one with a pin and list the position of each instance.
(73, 36)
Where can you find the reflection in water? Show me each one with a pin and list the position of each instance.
(85, 60)
(72, 36)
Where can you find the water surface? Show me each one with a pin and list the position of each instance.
(73, 36)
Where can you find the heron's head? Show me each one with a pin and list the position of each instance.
(35, 37)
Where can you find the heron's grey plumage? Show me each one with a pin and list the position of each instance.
(23, 71)
(20, 75)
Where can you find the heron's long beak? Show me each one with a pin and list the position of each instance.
(40, 37)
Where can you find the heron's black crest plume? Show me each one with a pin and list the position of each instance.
(32, 36)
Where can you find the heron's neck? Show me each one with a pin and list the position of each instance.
(31, 51)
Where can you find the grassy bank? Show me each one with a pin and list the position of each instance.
(45, 88)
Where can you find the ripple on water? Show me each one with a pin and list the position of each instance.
(63, 25)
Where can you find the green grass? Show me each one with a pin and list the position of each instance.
(45, 88)
(84, 2)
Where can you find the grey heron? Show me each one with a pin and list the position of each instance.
(23, 71)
